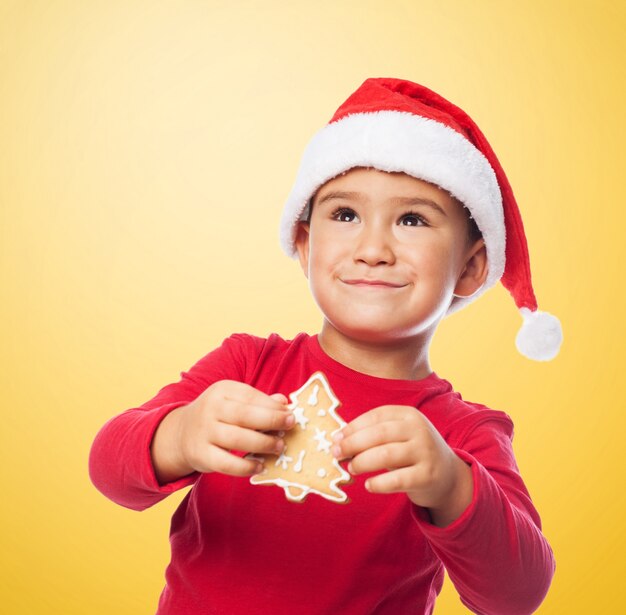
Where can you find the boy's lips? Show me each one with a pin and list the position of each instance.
(374, 283)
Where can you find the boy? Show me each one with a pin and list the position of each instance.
(398, 218)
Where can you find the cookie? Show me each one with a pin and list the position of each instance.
(306, 464)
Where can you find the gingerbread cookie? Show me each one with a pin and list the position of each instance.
(306, 464)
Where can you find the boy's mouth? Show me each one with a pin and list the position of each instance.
(373, 283)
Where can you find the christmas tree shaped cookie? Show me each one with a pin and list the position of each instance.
(306, 464)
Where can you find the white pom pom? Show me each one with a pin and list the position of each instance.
(540, 336)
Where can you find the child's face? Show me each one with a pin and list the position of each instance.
(381, 267)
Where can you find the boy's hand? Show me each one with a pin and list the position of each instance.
(227, 416)
(419, 462)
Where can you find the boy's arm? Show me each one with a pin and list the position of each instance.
(495, 552)
(120, 462)
(490, 537)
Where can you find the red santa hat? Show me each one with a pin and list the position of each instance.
(397, 125)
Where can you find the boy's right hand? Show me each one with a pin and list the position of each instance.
(227, 416)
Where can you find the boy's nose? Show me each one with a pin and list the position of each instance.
(374, 247)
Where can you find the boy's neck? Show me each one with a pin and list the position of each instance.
(399, 360)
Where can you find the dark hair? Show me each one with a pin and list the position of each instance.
(473, 232)
(309, 210)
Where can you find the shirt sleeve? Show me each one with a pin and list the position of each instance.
(120, 463)
(495, 553)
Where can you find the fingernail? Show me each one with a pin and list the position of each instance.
(338, 436)
(290, 420)
(350, 468)
(279, 446)
(336, 450)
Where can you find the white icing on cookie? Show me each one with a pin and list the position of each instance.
(300, 418)
(298, 466)
(283, 460)
(321, 412)
(323, 443)
(312, 401)
(321, 473)
(295, 494)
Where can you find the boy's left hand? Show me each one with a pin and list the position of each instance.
(419, 462)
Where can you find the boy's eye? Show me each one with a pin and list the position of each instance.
(344, 214)
(412, 219)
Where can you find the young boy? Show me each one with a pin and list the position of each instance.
(398, 217)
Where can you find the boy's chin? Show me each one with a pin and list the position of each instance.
(371, 333)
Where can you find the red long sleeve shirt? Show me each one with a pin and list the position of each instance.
(243, 548)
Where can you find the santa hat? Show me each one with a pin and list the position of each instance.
(397, 125)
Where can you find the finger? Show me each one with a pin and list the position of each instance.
(378, 415)
(216, 459)
(233, 437)
(402, 480)
(246, 394)
(371, 436)
(280, 398)
(255, 417)
(385, 457)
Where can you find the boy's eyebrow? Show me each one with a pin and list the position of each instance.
(401, 200)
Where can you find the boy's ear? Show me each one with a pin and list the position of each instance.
(302, 245)
(475, 271)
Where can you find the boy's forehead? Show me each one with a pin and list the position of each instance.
(360, 183)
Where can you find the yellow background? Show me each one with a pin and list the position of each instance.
(146, 149)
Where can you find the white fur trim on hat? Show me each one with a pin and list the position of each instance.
(420, 147)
